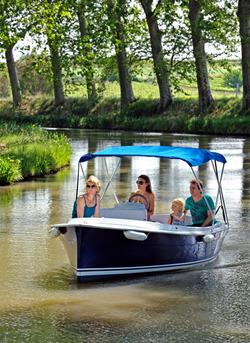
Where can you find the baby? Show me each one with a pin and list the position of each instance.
(177, 216)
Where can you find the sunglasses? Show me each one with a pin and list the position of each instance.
(140, 182)
(90, 186)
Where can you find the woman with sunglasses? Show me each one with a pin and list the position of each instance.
(88, 204)
(144, 194)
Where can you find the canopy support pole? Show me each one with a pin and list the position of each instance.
(110, 179)
(77, 182)
(78, 177)
(220, 192)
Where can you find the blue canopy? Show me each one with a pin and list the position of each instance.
(193, 156)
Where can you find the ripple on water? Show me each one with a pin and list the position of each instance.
(59, 278)
(40, 300)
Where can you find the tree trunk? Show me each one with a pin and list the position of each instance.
(205, 95)
(57, 73)
(89, 74)
(127, 95)
(126, 90)
(160, 66)
(14, 82)
(244, 21)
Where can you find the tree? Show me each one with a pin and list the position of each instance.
(57, 71)
(4, 82)
(116, 13)
(85, 50)
(160, 66)
(12, 28)
(244, 21)
(14, 81)
(204, 91)
(34, 76)
(51, 19)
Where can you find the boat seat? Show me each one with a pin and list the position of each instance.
(162, 218)
(127, 210)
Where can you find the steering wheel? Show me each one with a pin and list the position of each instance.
(134, 198)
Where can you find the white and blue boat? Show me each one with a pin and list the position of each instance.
(123, 242)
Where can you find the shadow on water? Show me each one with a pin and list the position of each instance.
(155, 307)
(150, 308)
(57, 279)
(63, 278)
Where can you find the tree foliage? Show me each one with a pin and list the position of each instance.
(233, 78)
(75, 42)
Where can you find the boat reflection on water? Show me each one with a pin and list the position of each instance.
(123, 242)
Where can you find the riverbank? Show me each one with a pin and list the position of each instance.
(28, 151)
(181, 117)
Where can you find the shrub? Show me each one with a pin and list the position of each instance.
(4, 85)
(233, 78)
(34, 76)
(30, 151)
(10, 170)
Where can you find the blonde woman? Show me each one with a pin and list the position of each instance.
(177, 217)
(88, 204)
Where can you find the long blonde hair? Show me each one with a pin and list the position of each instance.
(93, 179)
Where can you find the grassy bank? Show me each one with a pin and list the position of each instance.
(182, 116)
(28, 151)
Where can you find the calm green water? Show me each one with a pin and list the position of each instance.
(40, 300)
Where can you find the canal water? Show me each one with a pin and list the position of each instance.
(40, 300)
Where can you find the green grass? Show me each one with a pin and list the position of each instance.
(182, 116)
(148, 90)
(10, 170)
(29, 151)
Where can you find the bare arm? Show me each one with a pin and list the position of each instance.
(97, 208)
(181, 218)
(151, 204)
(170, 219)
(208, 219)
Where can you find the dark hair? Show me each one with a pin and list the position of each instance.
(147, 180)
(197, 182)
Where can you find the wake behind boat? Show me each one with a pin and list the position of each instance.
(122, 241)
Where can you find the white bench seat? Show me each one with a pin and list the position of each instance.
(163, 218)
(127, 210)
